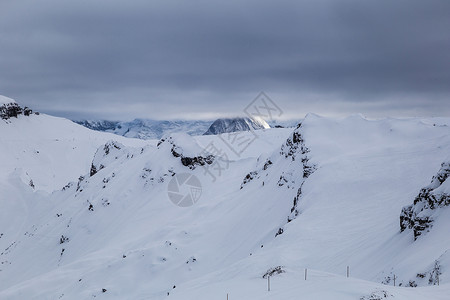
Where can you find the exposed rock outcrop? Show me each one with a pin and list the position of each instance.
(10, 109)
(419, 215)
(293, 148)
(293, 176)
(188, 161)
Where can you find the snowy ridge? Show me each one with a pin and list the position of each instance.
(113, 233)
(293, 166)
(49, 151)
(192, 161)
(236, 124)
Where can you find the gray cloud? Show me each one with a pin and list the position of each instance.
(200, 59)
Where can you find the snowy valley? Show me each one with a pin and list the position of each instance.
(87, 214)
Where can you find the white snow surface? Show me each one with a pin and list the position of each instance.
(6, 100)
(116, 235)
(50, 151)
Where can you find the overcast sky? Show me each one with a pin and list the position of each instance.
(171, 59)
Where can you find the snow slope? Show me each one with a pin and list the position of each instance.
(323, 196)
(6, 100)
(49, 151)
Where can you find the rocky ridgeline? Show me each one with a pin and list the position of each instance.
(294, 148)
(419, 215)
(13, 110)
(114, 153)
(295, 145)
(294, 155)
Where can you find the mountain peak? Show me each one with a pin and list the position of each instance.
(236, 124)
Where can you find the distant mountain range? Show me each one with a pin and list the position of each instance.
(155, 129)
(147, 129)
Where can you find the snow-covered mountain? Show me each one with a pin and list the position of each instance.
(326, 195)
(100, 125)
(146, 128)
(228, 125)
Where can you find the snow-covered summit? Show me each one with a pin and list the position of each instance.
(227, 125)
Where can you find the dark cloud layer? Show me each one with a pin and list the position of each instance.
(201, 59)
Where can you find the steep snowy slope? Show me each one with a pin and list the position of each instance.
(236, 124)
(6, 100)
(349, 207)
(48, 151)
(324, 196)
(38, 154)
